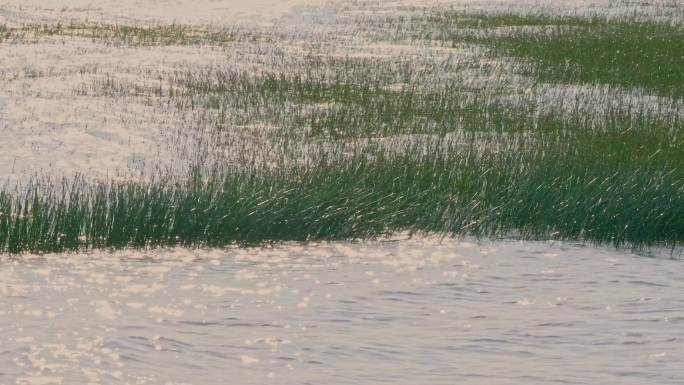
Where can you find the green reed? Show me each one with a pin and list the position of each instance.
(490, 162)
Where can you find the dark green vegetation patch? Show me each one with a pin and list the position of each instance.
(530, 195)
(359, 148)
(624, 52)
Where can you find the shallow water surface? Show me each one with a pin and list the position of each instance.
(399, 312)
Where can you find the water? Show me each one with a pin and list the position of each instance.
(400, 312)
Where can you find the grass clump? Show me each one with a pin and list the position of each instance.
(565, 49)
(581, 188)
(331, 149)
(157, 35)
(4, 33)
(339, 109)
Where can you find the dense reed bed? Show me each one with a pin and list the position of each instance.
(538, 188)
(550, 195)
(627, 52)
(324, 147)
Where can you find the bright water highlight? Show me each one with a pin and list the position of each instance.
(399, 312)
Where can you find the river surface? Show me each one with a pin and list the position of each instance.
(394, 312)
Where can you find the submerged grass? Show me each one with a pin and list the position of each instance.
(125, 35)
(339, 109)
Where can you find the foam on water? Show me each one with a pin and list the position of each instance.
(405, 311)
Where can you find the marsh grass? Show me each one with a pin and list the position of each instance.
(517, 168)
(4, 33)
(127, 35)
(532, 195)
(613, 179)
(342, 109)
(578, 50)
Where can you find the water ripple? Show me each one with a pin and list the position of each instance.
(491, 314)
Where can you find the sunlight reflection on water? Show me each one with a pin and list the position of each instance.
(409, 312)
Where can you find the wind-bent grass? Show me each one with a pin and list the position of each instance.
(363, 201)
(342, 109)
(585, 189)
(623, 52)
(498, 162)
